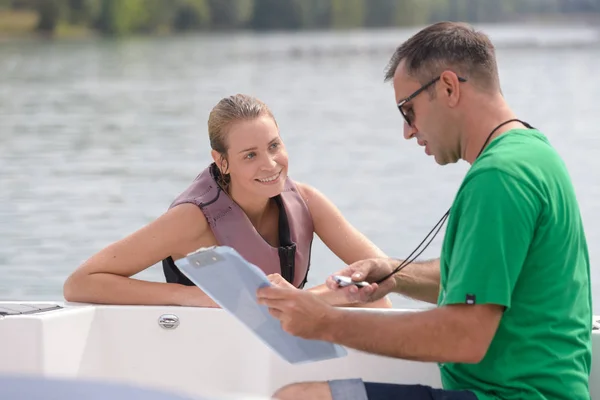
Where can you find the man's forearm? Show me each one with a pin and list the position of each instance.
(420, 280)
(438, 335)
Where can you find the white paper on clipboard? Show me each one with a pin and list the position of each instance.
(231, 281)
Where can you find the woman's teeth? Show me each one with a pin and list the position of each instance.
(269, 179)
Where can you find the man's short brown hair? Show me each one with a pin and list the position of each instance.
(448, 45)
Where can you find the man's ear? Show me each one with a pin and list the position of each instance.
(451, 85)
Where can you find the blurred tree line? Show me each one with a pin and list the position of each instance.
(121, 17)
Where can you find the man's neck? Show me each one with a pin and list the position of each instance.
(255, 208)
(479, 124)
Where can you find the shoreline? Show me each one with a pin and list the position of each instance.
(20, 25)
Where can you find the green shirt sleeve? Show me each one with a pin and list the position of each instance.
(495, 218)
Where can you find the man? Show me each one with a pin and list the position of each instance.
(512, 285)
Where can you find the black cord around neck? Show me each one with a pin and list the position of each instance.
(498, 127)
(442, 220)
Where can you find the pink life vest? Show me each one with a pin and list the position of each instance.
(231, 227)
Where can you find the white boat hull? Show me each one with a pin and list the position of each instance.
(208, 353)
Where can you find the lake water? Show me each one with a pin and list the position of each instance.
(98, 136)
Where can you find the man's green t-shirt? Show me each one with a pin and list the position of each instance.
(515, 238)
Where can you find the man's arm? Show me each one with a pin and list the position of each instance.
(419, 280)
(455, 333)
(491, 240)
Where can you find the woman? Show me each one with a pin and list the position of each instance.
(244, 200)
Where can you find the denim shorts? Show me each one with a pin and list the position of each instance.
(356, 389)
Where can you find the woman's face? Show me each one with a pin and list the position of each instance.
(257, 159)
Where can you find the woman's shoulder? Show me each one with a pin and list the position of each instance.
(188, 228)
(303, 189)
(308, 192)
(187, 218)
(314, 198)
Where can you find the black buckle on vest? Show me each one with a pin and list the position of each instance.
(287, 248)
(287, 260)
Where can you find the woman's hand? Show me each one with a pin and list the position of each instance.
(279, 281)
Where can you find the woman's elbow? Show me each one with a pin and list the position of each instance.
(73, 287)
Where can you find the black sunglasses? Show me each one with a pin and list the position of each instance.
(415, 94)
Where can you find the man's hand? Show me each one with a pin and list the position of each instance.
(300, 312)
(370, 270)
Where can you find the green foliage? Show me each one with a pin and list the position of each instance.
(123, 17)
(276, 14)
(380, 13)
(5, 4)
(81, 12)
(412, 12)
(49, 12)
(315, 14)
(347, 13)
(120, 17)
(191, 15)
(157, 16)
(230, 14)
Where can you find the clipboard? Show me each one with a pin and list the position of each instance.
(231, 281)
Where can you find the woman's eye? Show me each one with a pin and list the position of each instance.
(250, 156)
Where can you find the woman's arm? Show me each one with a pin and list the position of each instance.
(105, 277)
(343, 239)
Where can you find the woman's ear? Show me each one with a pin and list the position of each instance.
(215, 156)
(218, 159)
